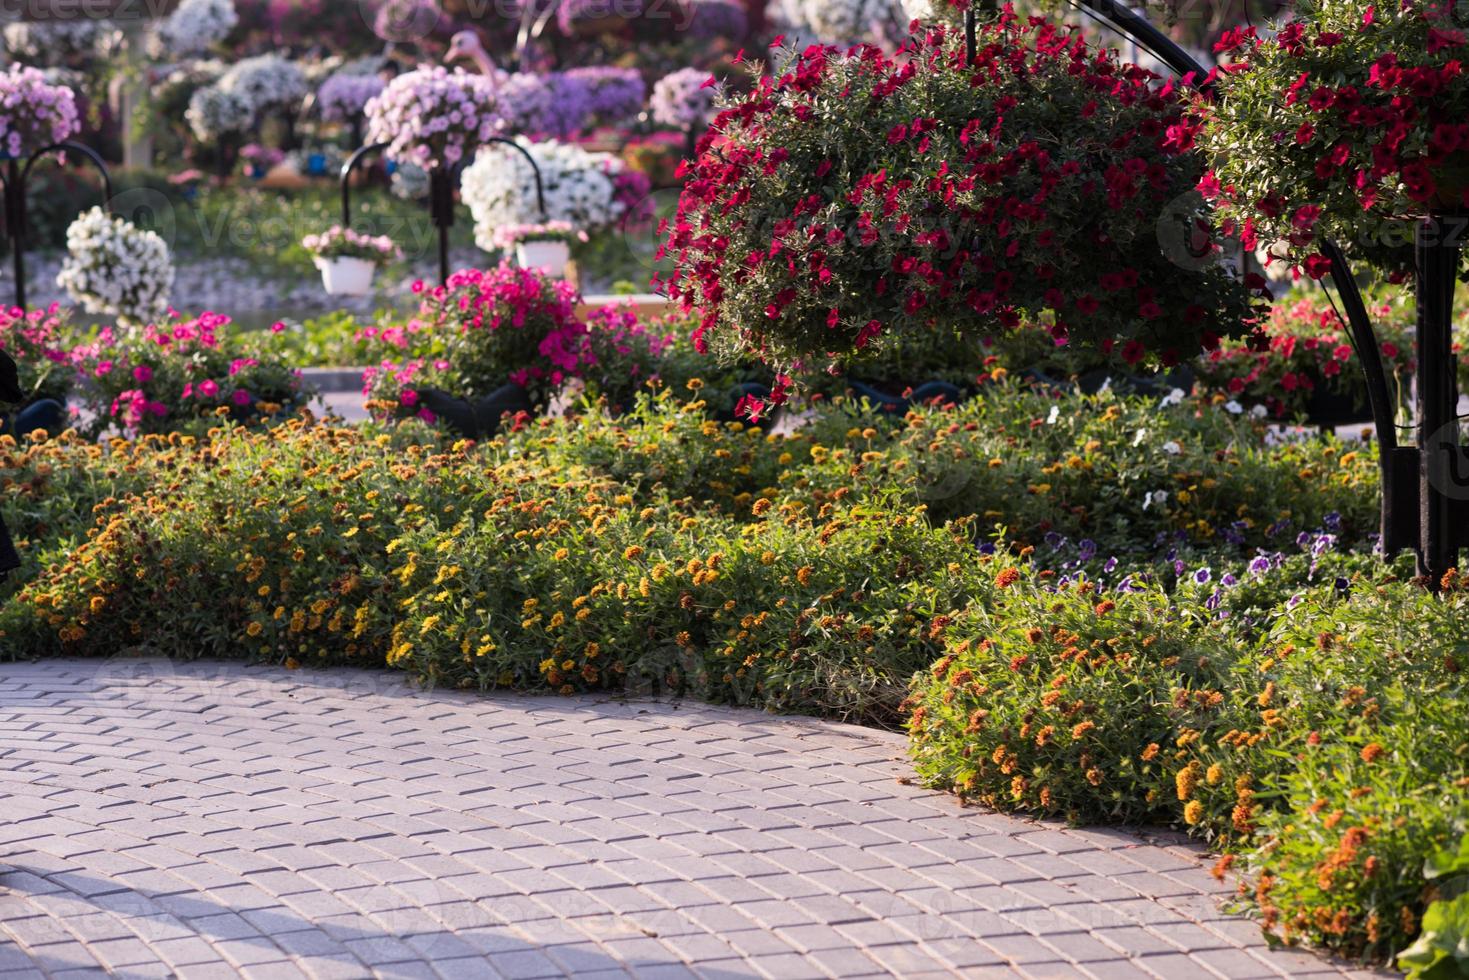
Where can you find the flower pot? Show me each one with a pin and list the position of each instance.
(346, 276)
(923, 394)
(477, 418)
(1327, 408)
(551, 257)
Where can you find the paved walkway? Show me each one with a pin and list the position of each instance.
(217, 820)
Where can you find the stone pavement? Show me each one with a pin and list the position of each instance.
(214, 820)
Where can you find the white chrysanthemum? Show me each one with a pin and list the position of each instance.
(265, 81)
(213, 113)
(579, 185)
(193, 27)
(116, 269)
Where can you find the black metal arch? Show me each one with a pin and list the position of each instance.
(441, 182)
(14, 178)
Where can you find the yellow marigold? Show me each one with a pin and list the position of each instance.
(1214, 774)
(1187, 780)
(803, 575)
(762, 507)
(1079, 731)
(1193, 812)
(633, 552)
(254, 629)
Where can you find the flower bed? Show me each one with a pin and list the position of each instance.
(1207, 599)
(1307, 353)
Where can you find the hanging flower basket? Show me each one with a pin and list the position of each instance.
(548, 256)
(348, 260)
(347, 276)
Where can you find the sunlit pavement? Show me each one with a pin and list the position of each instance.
(221, 820)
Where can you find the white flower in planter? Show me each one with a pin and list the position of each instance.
(115, 268)
(580, 187)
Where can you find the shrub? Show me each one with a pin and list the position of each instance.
(1308, 351)
(1068, 703)
(1034, 180)
(168, 375)
(1359, 108)
(1128, 475)
(493, 327)
(36, 341)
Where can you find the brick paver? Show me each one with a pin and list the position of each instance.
(216, 820)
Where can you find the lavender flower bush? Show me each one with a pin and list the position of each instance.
(344, 95)
(36, 113)
(433, 117)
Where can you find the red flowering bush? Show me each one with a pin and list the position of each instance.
(852, 196)
(1307, 351)
(1351, 118)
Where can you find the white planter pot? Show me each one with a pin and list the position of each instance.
(550, 257)
(347, 276)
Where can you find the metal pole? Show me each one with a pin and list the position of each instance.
(1437, 246)
(15, 219)
(441, 210)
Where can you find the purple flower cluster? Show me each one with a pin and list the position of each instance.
(710, 19)
(610, 95)
(33, 112)
(342, 97)
(434, 117)
(575, 14)
(530, 104)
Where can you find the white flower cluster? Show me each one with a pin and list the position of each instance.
(213, 113)
(845, 21)
(265, 81)
(193, 27)
(115, 268)
(243, 92)
(500, 189)
(683, 100)
(45, 43)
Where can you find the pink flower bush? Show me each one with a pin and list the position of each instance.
(33, 112)
(36, 341)
(434, 117)
(169, 373)
(1304, 349)
(479, 331)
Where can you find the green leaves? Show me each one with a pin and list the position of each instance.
(1441, 951)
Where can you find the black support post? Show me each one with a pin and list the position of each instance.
(1438, 244)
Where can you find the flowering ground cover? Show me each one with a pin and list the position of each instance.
(1093, 607)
